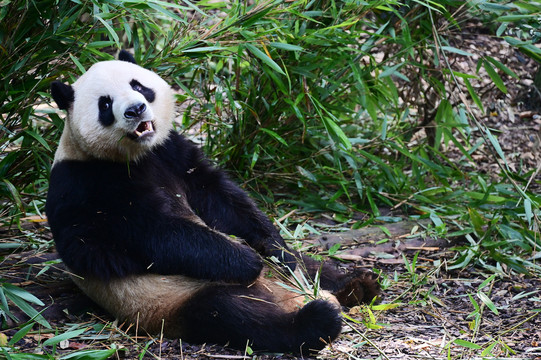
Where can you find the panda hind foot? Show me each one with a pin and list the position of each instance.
(317, 324)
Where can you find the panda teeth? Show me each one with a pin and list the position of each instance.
(144, 128)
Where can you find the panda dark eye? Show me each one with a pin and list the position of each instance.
(106, 116)
(104, 103)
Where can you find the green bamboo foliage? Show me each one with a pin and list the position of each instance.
(309, 102)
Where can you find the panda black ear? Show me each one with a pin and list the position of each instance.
(63, 94)
(124, 55)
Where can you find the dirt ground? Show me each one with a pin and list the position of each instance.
(514, 117)
(436, 305)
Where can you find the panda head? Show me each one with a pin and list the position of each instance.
(117, 111)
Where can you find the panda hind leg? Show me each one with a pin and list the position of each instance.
(240, 316)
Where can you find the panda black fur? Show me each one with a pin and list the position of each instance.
(152, 231)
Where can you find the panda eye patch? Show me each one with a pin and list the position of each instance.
(104, 103)
(148, 93)
(106, 116)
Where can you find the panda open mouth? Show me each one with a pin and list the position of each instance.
(144, 129)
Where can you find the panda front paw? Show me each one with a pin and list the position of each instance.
(247, 266)
(357, 288)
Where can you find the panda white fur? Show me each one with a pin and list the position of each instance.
(156, 235)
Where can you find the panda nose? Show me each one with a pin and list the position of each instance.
(135, 111)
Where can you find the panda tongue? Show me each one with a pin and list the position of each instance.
(143, 128)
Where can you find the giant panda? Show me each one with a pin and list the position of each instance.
(162, 239)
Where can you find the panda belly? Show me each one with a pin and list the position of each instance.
(148, 301)
(153, 302)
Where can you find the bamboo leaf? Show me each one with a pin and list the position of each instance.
(204, 49)
(77, 63)
(26, 356)
(15, 195)
(284, 46)
(474, 95)
(334, 129)
(485, 197)
(502, 67)
(467, 344)
(21, 333)
(263, 57)
(486, 300)
(27, 309)
(65, 336)
(528, 210)
(91, 355)
(456, 51)
(109, 28)
(512, 18)
(162, 9)
(306, 174)
(495, 77)
(38, 137)
(274, 135)
(385, 307)
(23, 294)
(496, 146)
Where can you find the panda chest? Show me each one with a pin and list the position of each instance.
(164, 196)
(143, 192)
